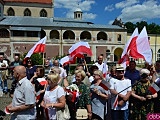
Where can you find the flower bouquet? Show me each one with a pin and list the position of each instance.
(73, 90)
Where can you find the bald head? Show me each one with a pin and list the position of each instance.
(55, 63)
(19, 72)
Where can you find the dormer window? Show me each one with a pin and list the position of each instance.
(43, 13)
(11, 12)
(27, 12)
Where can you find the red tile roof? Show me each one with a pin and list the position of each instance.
(31, 1)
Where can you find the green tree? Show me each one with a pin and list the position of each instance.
(130, 27)
(151, 28)
(37, 58)
(141, 24)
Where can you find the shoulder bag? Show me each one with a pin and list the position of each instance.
(63, 114)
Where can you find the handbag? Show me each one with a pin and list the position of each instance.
(63, 114)
(81, 114)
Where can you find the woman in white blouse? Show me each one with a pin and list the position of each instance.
(54, 96)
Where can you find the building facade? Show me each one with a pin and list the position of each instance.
(23, 23)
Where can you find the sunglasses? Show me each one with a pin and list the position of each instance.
(120, 71)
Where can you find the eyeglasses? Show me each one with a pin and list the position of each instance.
(120, 71)
(95, 74)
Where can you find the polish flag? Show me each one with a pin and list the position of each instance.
(155, 87)
(125, 55)
(105, 85)
(143, 49)
(42, 81)
(115, 104)
(66, 60)
(80, 48)
(39, 47)
(104, 70)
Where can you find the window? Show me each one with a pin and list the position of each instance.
(4, 33)
(0, 10)
(18, 33)
(10, 12)
(32, 34)
(43, 13)
(27, 12)
(158, 55)
(119, 37)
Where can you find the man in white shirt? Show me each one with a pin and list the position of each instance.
(100, 63)
(3, 73)
(63, 73)
(120, 93)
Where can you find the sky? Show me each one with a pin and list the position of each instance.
(106, 11)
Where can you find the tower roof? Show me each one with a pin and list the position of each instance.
(78, 10)
(31, 1)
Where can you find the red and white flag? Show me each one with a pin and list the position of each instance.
(104, 70)
(128, 47)
(42, 81)
(143, 49)
(155, 87)
(105, 85)
(115, 104)
(39, 47)
(66, 60)
(80, 48)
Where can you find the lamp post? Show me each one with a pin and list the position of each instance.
(155, 46)
(61, 42)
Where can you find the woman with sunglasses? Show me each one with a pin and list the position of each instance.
(30, 69)
(99, 96)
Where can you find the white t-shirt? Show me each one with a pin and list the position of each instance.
(120, 85)
(100, 67)
(51, 97)
(91, 79)
(4, 62)
(63, 73)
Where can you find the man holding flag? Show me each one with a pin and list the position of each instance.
(120, 93)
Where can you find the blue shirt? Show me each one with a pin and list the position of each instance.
(132, 75)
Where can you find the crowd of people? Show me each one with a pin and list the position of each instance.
(38, 92)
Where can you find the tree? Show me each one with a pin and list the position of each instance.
(130, 27)
(151, 28)
(37, 58)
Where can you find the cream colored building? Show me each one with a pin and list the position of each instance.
(24, 23)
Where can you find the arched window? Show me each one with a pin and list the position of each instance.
(54, 34)
(85, 35)
(1, 10)
(101, 36)
(68, 34)
(4, 33)
(27, 12)
(10, 12)
(43, 13)
(158, 55)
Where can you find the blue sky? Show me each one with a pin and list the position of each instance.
(105, 11)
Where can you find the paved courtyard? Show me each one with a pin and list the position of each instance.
(4, 101)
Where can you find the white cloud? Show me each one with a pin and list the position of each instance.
(109, 8)
(136, 13)
(89, 16)
(71, 5)
(126, 3)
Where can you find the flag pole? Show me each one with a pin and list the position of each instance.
(86, 65)
(43, 59)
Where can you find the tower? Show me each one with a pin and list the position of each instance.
(78, 14)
